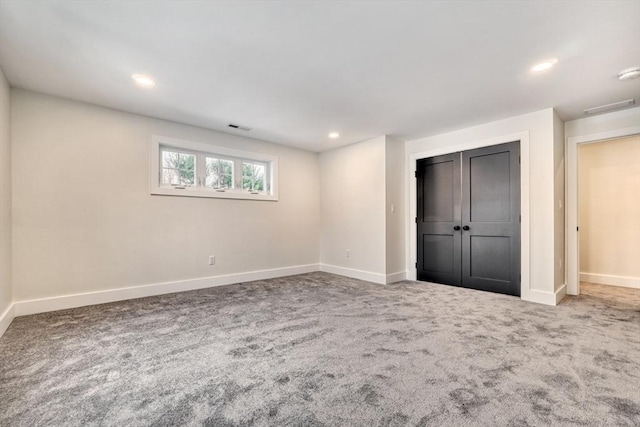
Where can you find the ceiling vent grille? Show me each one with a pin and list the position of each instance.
(609, 107)
(239, 127)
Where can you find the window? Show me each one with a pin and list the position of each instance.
(253, 176)
(178, 168)
(219, 173)
(183, 168)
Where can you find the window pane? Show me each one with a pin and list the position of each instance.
(212, 181)
(253, 175)
(219, 173)
(170, 176)
(178, 168)
(186, 176)
(169, 159)
(211, 165)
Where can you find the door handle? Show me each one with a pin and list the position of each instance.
(465, 228)
(457, 227)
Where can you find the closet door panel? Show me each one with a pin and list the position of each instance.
(491, 218)
(439, 245)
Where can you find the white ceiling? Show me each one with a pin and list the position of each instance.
(294, 71)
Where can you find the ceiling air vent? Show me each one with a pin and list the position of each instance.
(609, 107)
(244, 128)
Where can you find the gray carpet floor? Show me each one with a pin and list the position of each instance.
(319, 349)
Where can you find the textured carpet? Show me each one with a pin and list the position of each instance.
(319, 349)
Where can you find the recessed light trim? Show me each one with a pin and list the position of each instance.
(629, 73)
(143, 81)
(544, 65)
(334, 135)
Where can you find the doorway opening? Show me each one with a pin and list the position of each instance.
(609, 212)
(603, 220)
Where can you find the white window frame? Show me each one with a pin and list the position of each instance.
(207, 150)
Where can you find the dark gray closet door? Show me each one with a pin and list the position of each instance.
(469, 219)
(491, 218)
(438, 211)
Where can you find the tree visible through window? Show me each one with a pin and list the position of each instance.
(219, 173)
(178, 168)
(253, 175)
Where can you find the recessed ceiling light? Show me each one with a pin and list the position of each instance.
(143, 81)
(630, 73)
(544, 65)
(334, 135)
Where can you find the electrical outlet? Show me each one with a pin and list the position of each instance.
(348, 253)
(212, 260)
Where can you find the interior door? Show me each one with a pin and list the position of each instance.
(491, 218)
(468, 219)
(438, 219)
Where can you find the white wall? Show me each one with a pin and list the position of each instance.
(352, 194)
(5, 203)
(602, 123)
(536, 133)
(609, 211)
(84, 220)
(359, 184)
(395, 208)
(584, 131)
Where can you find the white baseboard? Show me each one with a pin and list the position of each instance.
(541, 297)
(396, 277)
(608, 279)
(355, 274)
(42, 305)
(561, 293)
(6, 318)
(382, 279)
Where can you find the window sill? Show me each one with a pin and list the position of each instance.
(214, 194)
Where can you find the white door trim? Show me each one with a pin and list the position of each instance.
(573, 238)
